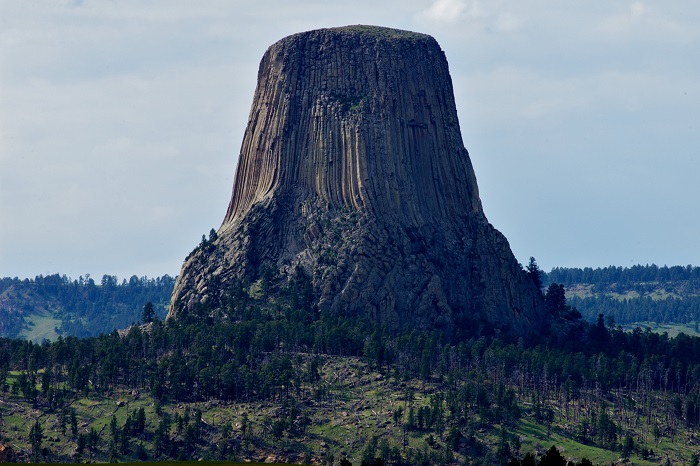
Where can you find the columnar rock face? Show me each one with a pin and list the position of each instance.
(353, 166)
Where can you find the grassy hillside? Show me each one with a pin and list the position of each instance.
(40, 325)
(662, 295)
(276, 381)
(360, 414)
(46, 307)
(183, 463)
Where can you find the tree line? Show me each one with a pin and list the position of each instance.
(569, 276)
(615, 389)
(84, 307)
(636, 294)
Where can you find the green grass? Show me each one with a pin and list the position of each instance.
(536, 435)
(177, 463)
(42, 327)
(672, 329)
(341, 426)
(659, 292)
(383, 32)
(14, 423)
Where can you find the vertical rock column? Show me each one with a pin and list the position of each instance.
(353, 166)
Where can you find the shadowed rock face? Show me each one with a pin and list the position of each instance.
(353, 166)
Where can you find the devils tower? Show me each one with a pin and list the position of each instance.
(352, 167)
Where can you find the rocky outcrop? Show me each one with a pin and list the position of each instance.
(353, 166)
(7, 454)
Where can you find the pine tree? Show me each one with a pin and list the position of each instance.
(552, 458)
(36, 436)
(534, 272)
(148, 313)
(555, 299)
(528, 460)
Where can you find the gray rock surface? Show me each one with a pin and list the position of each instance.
(353, 166)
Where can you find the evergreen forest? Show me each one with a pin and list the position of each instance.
(644, 295)
(81, 307)
(278, 381)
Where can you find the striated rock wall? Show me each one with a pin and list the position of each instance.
(360, 118)
(353, 166)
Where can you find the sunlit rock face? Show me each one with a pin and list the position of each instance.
(353, 166)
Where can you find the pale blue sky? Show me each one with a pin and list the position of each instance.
(121, 123)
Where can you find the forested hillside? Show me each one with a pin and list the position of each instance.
(278, 380)
(83, 307)
(79, 307)
(636, 294)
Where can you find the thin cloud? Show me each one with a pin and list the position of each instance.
(509, 22)
(473, 17)
(449, 11)
(641, 22)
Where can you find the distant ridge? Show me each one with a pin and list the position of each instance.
(46, 307)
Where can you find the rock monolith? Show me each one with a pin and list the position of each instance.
(353, 167)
